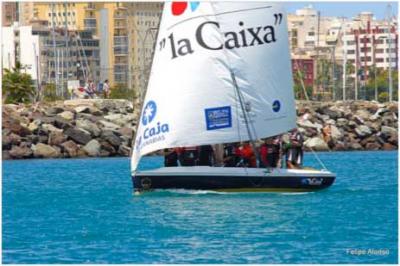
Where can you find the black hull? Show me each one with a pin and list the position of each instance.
(297, 183)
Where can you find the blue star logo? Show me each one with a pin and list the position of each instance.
(149, 112)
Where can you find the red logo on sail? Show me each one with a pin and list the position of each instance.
(178, 8)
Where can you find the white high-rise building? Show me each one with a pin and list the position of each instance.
(369, 42)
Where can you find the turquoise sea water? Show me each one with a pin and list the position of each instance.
(82, 211)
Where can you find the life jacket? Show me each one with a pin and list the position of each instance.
(248, 155)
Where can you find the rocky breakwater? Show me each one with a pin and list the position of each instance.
(353, 125)
(76, 128)
(103, 128)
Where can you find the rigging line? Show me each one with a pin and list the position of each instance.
(305, 93)
(237, 116)
(318, 159)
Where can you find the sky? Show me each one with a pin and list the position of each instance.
(345, 9)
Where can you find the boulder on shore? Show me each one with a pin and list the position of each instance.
(18, 152)
(92, 148)
(316, 144)
(41, 150)
(70, 148)
(78, 135)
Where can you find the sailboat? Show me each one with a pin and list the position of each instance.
(221, 73)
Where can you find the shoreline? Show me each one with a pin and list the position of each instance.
(155, 155)
(104, 128)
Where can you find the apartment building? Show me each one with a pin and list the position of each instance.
(9, 12)
(304, 67)
(371, 43)
(47, 56)
(126, 33)
(310, 33)
(362, 41)
(144, 22)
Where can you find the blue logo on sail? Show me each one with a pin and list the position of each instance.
(219, 117)
(276, 106)
(149, 112)
(152, 132)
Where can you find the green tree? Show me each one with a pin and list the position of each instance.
(383, 97)
(382, 84)
(50, 93)
(298, 86)
(120, 91)
(17, 87)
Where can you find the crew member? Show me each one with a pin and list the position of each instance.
(230, 157)
(206, 155)
(248, 156)
(170, 157)
(277, 151)
(294, 151)
(270, 152)
(188, 156)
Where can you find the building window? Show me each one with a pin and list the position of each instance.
(365, 49)
(365, 59)
(393, 50)
(351, 51)
(351, 42)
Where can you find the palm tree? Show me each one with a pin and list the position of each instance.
(17, 87)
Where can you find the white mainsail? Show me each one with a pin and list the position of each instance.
(202, 49)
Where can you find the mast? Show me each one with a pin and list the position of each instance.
(344, 66)
(66, 46)
(54, 44)
(317, 48)
(301, 79)
(57, 72)
(389, 12)
(37, 71)
(80, 47)
(62, 73)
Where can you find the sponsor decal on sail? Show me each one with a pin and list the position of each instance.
(180, 7)
(153, 131)
(218, 118)
(244, 37)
